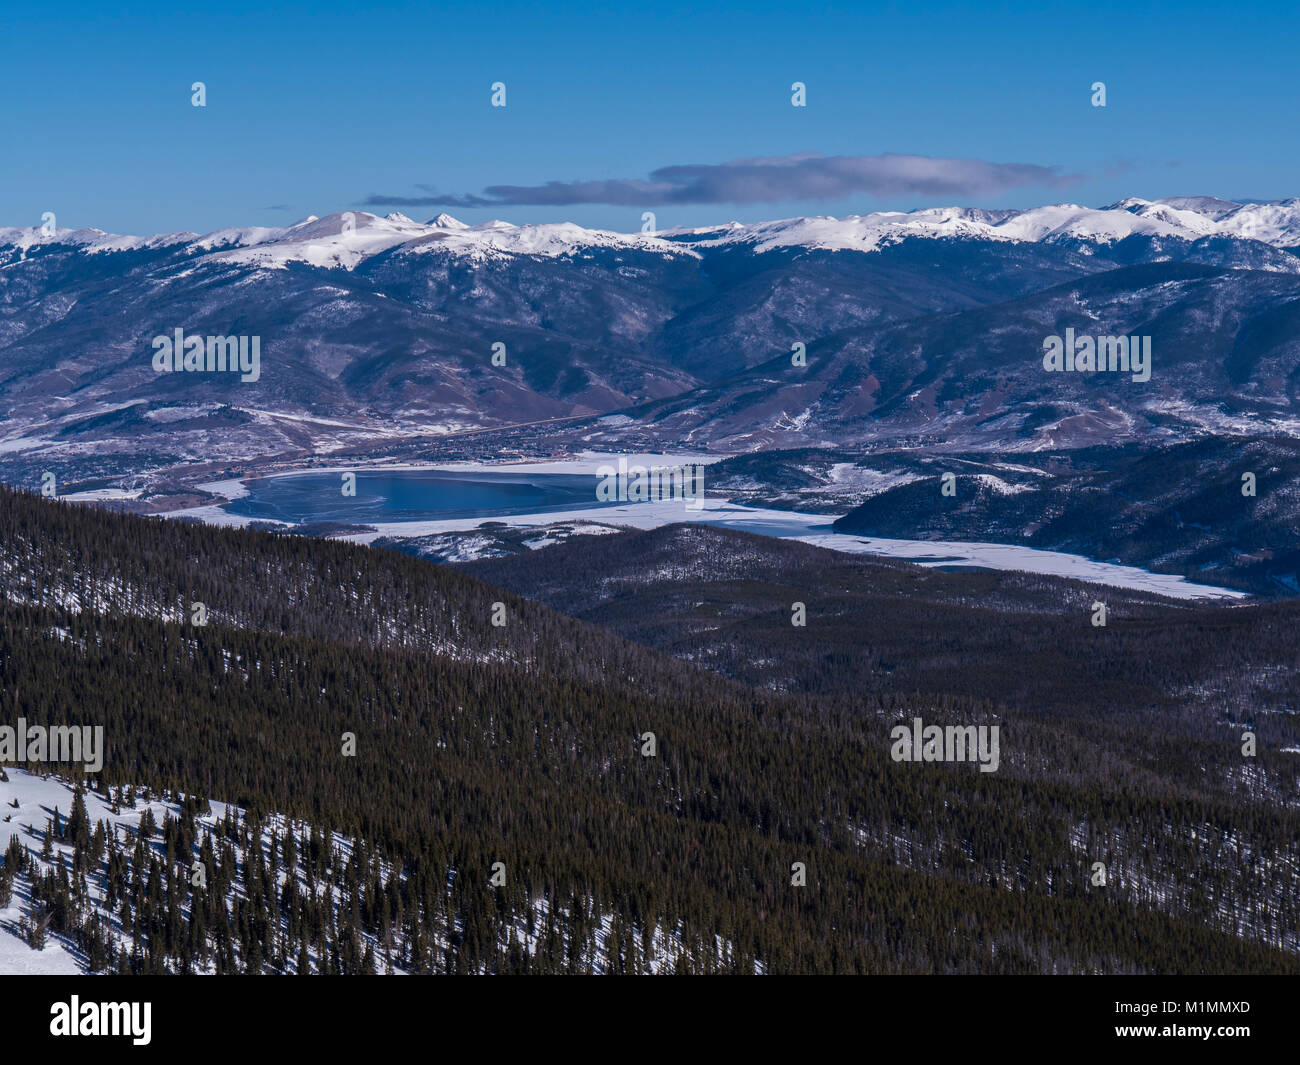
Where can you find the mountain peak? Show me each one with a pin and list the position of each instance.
(445, 221)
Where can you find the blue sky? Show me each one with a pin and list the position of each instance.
(319, 108)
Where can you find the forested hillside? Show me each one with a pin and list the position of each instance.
(63, 555)
(525, 745)
(1164, 686)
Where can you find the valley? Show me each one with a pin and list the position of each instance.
(376, 595)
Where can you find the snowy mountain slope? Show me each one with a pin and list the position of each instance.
(347, 238)
(1190, 219)
(31, 804)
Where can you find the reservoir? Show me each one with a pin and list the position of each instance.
(384, 496)
(419, 502)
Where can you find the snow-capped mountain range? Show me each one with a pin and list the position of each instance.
(347, 238)
(1186, 218)
(380, 331)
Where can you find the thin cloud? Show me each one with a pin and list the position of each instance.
(769, 180)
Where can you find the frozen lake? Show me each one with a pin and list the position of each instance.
(417, 502)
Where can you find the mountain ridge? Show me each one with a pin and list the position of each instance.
(1275, 222)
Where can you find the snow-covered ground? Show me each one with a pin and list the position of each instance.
(102, 495)
(584, 462)
(38, 797)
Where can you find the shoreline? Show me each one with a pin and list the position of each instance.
(808, 528)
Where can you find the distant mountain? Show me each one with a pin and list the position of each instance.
(373, 332)
(1225, 347)
(1180, 218)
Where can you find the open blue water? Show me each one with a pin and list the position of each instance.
(412, 495)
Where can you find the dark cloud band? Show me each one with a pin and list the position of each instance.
(746, 181)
